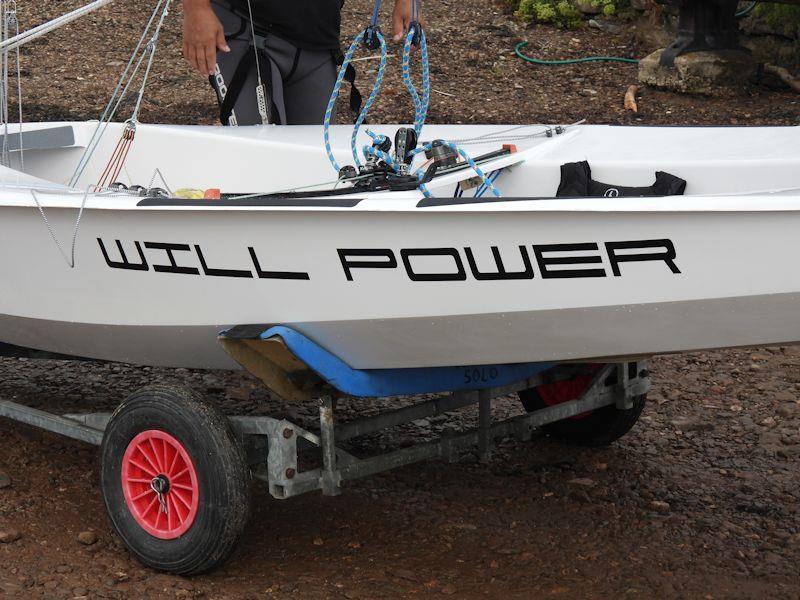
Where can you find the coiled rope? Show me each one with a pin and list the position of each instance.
(348, 57)
(420, 100)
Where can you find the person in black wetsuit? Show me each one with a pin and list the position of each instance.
(299, 43)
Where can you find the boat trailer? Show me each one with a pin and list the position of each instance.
(298, 369)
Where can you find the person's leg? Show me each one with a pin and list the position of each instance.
(308, 78)
(235, 78)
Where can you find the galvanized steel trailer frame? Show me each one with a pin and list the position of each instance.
(273, 445)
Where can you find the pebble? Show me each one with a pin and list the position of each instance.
(5, 480)
(406, 574)
(604, 26)
(448, 589)
(583, 481)
(659, 506)
(8, 536)
(785, 410)
(237, 393)
(87, 538)
(691, 424)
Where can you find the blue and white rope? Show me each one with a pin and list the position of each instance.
(380, 154)
(326, 125)
(420, 103)
(472, 164)
(348, 57)
(493, 176)
(372, 97)
(376, 9)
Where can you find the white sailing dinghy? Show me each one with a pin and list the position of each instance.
(394, 279)
(478, 271)
(390, 274)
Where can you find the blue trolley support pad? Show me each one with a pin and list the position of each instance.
(390, 382)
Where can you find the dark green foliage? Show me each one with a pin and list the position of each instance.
(563, 13)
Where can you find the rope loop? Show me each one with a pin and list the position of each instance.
(421, 102)
(326, 125)
(372, 96)
(348, 57)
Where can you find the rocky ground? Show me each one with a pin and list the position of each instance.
(475, 75)
(700, 500)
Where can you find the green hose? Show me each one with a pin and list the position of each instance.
(746, 11)
(538, 61)
(573, 61)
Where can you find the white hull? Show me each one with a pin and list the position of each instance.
(735, 246)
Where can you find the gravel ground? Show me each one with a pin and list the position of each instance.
(70, 74)
(700, 500)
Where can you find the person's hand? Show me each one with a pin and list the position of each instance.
(401, 19)
(203, 35)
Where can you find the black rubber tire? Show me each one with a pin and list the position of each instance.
(222, 475)
(601, 427)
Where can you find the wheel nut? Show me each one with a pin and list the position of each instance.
(289, 473)
(287, 433)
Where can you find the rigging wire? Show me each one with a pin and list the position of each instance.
(120, 91)
(15, 22)
(261, 91)
(71, 259)
(4, 15)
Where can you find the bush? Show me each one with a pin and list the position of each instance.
(783, 18)
(562, 13)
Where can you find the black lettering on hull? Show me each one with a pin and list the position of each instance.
(348, 265)
(274, 274)
(459, 275)
(526, 273)
(589, 263)
(219, 272)
(667, 256)
(124, 263)
(172, 267)
(545, 262)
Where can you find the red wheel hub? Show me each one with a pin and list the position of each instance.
(159, 482)
(559, 392)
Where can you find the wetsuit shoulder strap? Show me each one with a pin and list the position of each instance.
(239, 78)
(235, 87)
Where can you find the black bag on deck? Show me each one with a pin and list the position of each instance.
(576, 181)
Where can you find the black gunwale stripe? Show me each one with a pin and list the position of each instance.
(450, 201)
(253, 202)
